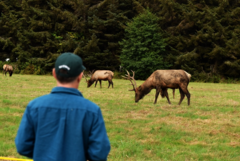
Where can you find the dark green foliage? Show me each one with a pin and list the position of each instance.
(143, 47)
(38, 32)
(9, 22)
(89, 52)
(108, 21)
(201, 36)
(1, 65)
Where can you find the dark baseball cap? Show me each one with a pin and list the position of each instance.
(69, 65)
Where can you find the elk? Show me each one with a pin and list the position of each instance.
(7, 68)
(99, 75)
(161, 80)
(189, 76)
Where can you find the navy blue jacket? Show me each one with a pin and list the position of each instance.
(62, 126)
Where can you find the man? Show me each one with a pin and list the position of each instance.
(63, 126)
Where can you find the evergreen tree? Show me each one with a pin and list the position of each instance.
(91, 54)
(143, 47)
(44, 30)
(107, 21)
(36, 32)
(10, 20)
(200, 35)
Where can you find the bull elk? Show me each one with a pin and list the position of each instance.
(7, 68)
(161, 80)
(99, 75)
(189, 77)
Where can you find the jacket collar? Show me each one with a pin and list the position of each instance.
(73, 91)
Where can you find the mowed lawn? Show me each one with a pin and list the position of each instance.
(208, 129)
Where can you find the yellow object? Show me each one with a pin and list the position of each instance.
(5, 158)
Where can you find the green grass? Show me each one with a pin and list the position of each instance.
(208, 129)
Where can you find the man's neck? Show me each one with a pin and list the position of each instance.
(67, 85)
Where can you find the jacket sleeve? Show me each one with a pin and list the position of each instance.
(99, 144)
(25, 138)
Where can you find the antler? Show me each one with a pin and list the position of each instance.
(91, 72)
(84, 76)
(132, 80)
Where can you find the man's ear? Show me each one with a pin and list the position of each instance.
(54, 73)
(80, 77)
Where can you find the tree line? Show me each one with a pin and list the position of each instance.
(199, 36)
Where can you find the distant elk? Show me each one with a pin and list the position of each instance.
(189, 76)
(161, 80)
(99, 75)
(7, 68)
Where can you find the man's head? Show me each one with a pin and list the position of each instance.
(68, 67)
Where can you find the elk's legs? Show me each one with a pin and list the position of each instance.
(166, 94)
(96, 83)
(173, 93)
(110, 83)
(157, 93)
(184, 92)
(100, 83)
(188, 96)
(182, 96)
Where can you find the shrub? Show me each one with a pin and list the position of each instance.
(143, 46)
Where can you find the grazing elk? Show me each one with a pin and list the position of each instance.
(189, 76)
(99, 75)
(7, 68)
(161, 80)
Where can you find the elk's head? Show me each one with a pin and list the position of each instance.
(89, 82)
(139, 94)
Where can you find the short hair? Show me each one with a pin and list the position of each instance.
(65, 79)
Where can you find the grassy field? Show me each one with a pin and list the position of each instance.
(208, 129)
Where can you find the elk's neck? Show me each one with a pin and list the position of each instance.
(146, 87)
(92, 79)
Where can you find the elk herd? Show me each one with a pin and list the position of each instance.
(160, 80)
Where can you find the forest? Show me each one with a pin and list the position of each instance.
(200, 36)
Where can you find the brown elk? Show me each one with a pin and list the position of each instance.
(7, 68)
(161, 80)
(99, 75)
(189, 76)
